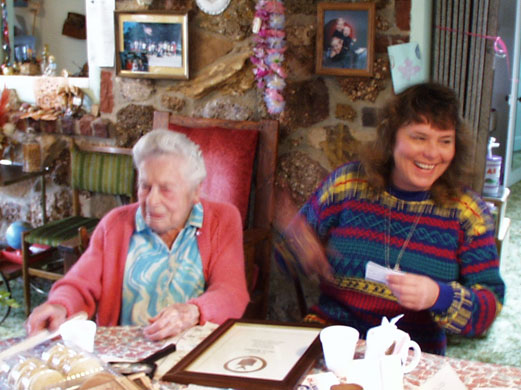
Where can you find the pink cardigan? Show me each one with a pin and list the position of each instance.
(94, 283)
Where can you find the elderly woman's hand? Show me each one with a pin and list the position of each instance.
(172, 321)
(415, 292)
(46, 316)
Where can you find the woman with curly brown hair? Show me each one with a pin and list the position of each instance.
(399, 232)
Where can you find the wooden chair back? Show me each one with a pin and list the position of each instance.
(103, 169)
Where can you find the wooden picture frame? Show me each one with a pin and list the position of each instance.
(247, 354)
(151, 44)
(345, 39)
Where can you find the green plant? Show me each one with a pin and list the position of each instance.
(6, 300)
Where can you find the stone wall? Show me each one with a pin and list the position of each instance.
(326, 117)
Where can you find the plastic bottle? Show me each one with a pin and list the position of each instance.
(492, 170)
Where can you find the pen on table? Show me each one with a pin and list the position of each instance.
(159, 354)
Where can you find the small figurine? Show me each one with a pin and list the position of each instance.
(50, 68)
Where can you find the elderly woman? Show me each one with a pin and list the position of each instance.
(167, 262)
(405, 212)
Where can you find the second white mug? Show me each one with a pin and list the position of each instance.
(339, 344)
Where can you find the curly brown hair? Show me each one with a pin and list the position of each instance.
(430, 103)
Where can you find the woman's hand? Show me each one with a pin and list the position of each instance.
(301, 238)
(172, 321)
(415, 292)
(46, 316)
(308, 249)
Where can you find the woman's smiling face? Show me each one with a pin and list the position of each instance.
(421, 155)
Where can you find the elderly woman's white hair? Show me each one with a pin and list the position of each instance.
(167, 142)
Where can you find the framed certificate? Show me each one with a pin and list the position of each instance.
(246, 355)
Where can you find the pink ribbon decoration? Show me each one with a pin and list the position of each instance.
(500, 49)
(268, 53)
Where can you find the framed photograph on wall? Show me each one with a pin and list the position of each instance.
(345, 39)
(151, 44)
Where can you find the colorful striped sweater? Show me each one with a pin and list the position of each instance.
(453, 245)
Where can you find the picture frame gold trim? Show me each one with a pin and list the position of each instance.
(354, 25)
(248, 354)
(151, 44)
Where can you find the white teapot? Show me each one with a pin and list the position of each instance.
(387, 339)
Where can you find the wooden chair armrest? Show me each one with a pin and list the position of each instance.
(255, 235)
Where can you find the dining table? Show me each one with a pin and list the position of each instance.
(127, 343)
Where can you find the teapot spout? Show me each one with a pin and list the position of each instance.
(394, 320)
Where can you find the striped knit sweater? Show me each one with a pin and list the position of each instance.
(453, 245)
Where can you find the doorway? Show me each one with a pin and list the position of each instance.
(513, 142)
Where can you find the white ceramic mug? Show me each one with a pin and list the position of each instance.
(339, 344)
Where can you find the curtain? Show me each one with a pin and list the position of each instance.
(463, 58)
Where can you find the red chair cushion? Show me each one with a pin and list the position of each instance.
(15, 255)
(228, 156)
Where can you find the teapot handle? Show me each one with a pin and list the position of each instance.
(415, 359)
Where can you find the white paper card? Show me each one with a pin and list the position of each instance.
(100, 27)
(445, 379)
(378, 273)
(407, 67)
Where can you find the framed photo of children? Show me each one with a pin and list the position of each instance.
(345, 39)
(151, 44)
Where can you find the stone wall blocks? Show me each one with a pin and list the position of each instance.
(307, 103)
(60, 164)
(135, 90)
(18, 190)
(221, 85)
(49, 126)
(68, 125)
(132, 122)
(300, 175)
(106, 92)
(215, 46)
(101, 127)
(340, 145)
(10, 212)
(85, 125)
(382, 24)
(307, 7)
(59, 204)
(403, 14)
(172, 5)
(370, 116)
(382, 41)
(234, 22)
(367, 88)
(298, 34)
(345, 112)
(226, 108)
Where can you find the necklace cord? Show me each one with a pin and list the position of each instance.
(407, 239)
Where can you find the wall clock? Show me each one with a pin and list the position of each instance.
(213, 7)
